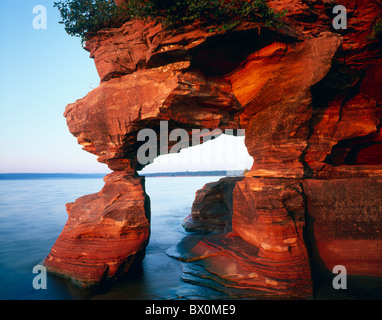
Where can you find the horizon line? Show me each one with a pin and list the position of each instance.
(99, 173)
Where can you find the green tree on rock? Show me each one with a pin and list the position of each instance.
(84, 18)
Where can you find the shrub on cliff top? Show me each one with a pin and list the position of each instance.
(84, 17)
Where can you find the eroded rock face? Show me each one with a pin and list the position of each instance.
(213, 207)
(309, 99)
(227, 263)
(106, 122)
(344, 224)
(103, 233)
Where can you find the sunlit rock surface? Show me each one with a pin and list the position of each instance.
(309, 98)
(103, 233)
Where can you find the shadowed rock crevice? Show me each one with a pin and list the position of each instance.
(224, 53)
(357, 151)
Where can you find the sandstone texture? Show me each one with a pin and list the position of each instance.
(103, 233)
(213, 207)
(309, 98)
(344, 226)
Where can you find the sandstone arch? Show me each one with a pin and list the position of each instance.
(278, 92)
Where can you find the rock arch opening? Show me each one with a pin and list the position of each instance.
(270, 95)
(175, 184)
(218, 164)
(222, 153)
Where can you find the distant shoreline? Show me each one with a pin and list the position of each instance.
(37, 176)
(195, 173)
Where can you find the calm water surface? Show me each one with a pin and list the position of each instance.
(33, 214)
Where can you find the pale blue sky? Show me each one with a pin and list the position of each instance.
(41, 72)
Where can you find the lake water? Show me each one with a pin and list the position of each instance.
(33, 214)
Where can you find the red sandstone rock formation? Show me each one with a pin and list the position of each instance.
(229, 264)
(103, 233)
(213, 207)
(309, 98)
(344, 224)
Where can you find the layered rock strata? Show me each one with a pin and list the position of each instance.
(309, 98)
(104, 232)
(212, 209)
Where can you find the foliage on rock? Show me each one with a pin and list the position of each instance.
(377, 30)
(85, 17)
